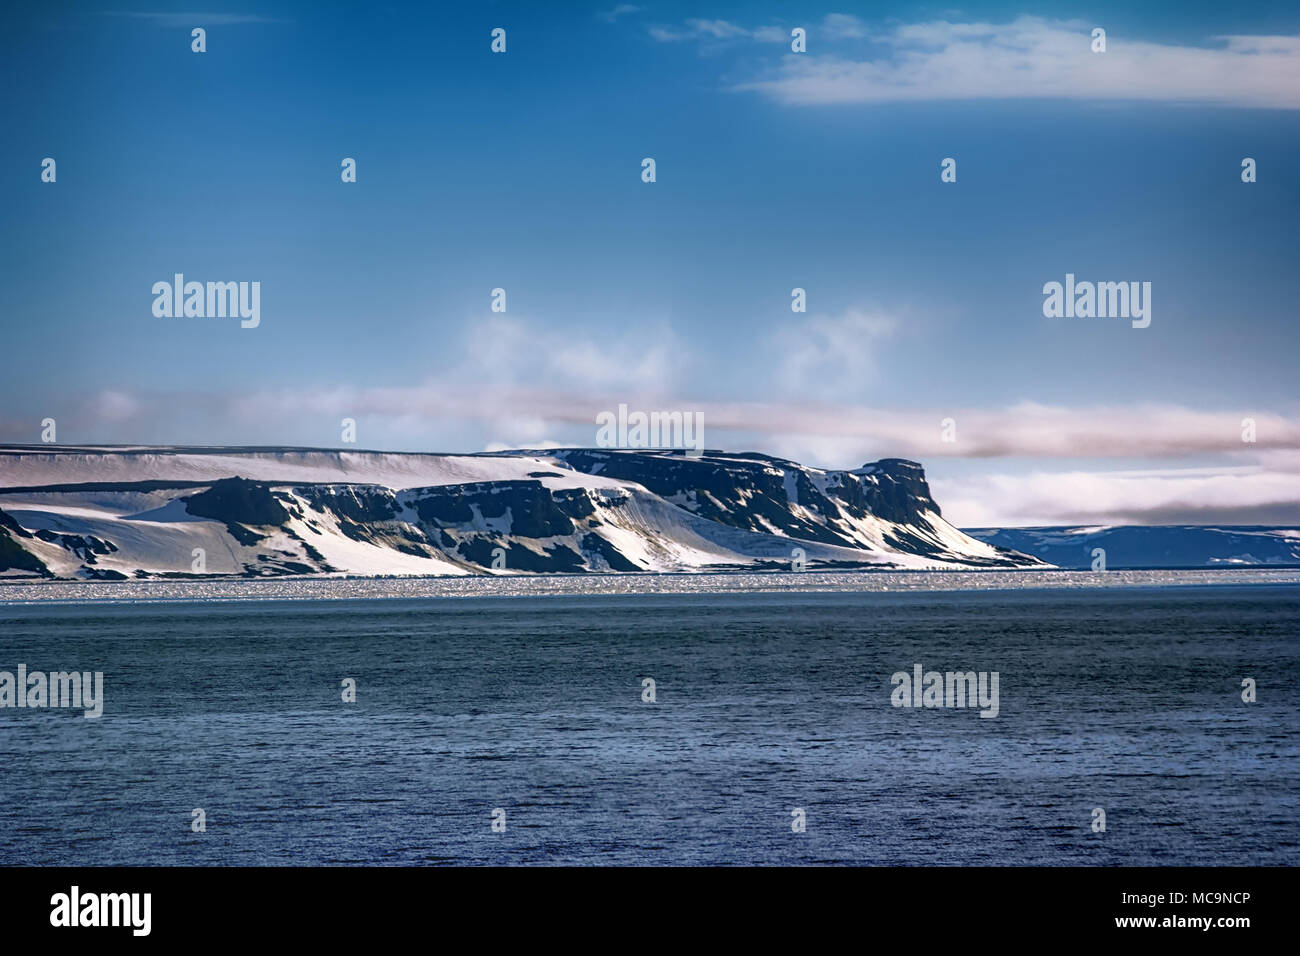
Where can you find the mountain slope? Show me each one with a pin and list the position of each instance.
(105, 512)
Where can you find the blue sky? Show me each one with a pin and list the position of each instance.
(775, 170)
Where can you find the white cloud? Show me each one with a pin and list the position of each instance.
(1255, 484)
(712, 30)
(468, 408)
(567, 391)
(1035, 58)
(665, 35)
(501, 351)
(829, 356)
(1024, 430)
(479, 399)
(843, 26)
(117, 406)
(1188, 496)
(718, 29)
(771, 35)
(623, 9)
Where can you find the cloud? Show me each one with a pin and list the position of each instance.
(117, 406)
(512, 382)
(713, 30)
(771, 35)
(1023, 430)
(830, 356)
(1249, 495)
(843, 26)
(623, 9)
(478, 403)
(465, 411)
(718, 29)
(665, 35)
(1031, 57)
(504, 350)
(569, 383)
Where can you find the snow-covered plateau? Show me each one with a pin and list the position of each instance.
(115, 512)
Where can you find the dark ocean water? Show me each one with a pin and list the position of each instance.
(1125, 699)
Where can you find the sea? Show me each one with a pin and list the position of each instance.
(1147, 721)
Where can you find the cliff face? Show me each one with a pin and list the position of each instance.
(257, 512)
(760, 493)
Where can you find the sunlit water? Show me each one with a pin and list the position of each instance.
(1124, 698)
(341, 588)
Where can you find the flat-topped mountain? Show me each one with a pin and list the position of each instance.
(114, 512)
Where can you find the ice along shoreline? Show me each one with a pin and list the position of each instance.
(318, 588)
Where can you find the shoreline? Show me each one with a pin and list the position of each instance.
(316, 588)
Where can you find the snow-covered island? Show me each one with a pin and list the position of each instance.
(116, 513)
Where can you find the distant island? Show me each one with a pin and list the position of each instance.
(136, 512)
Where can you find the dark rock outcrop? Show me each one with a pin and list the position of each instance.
(13, 556)
(236, 500)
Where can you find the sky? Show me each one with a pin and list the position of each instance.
(774, 170)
